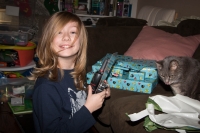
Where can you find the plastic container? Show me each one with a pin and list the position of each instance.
(13, 38)
(25, 54)
(14, 35)
(16, 88)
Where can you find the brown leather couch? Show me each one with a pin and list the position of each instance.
(110, 39)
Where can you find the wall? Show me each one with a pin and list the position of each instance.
(134, 8)
(182, 7)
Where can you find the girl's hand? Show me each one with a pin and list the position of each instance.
(94, 101)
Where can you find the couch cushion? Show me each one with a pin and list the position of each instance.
(155, 44)
(121, 123)
(116, 21)
(104, 114)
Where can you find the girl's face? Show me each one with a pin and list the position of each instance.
(66, 43)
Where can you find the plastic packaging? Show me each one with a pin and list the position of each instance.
(180, 113)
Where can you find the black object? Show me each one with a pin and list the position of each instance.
(10, 64)
(97, 85)
(87, 22)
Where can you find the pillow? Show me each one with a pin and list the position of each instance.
(188, 27)
(155, 44)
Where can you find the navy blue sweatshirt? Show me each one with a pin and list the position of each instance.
(58, 107)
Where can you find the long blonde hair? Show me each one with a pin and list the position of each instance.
(48, 58)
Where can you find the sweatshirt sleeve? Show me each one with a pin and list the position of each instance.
(49, 115)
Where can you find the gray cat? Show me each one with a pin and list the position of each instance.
(182, 74)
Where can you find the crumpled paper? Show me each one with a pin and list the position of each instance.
(181, 113)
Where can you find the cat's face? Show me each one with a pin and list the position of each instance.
(169, 71)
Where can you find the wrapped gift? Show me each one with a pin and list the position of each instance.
(135, 75)
(118, 57)
(150, 72)
(129, 74)
(89, 77)
(143, 86)
(96, 67)
(118, 71)
(139, 68)
(98, 64)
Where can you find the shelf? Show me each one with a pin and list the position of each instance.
(91, 16)
(18, 68)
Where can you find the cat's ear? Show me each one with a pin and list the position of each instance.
(173, 65)
(159, 64)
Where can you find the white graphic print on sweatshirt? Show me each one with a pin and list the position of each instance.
(77, 100)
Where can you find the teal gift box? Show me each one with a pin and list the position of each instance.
(118, 58)
(124, 83)
(135, 75)
(139, 69)
(129, 74)
(96, 66)
(118, 71)
(89, 76)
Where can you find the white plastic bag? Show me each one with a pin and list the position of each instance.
(180, 113)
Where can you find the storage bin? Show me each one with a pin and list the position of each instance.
(25, 54)
(16, 88)
(13, 38)
(15, 35)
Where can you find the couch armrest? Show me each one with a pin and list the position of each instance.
(154, 14)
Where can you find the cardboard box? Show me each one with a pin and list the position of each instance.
(8, 19)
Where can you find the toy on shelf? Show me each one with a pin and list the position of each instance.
(21, 56)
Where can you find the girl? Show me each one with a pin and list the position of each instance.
(59, 99)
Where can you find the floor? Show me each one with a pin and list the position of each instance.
(26, 123)
(10, 123)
